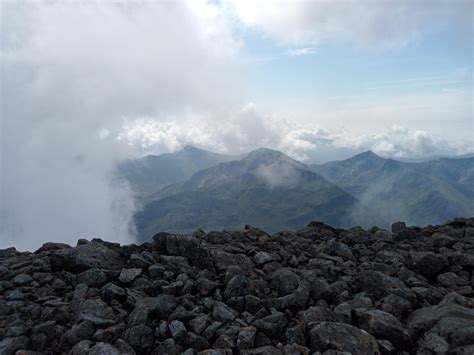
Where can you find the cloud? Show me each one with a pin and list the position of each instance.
(246, 129)
(369, 24)
(71, 74)
(300, 51)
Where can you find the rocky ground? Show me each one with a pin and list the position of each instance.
(318, 290)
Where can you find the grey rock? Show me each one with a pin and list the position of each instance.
(128, 275)
(223, 313)
(382, 325)
(140, 336)
(246, 337)
(341, 336)
(22, 279)
(178, 330)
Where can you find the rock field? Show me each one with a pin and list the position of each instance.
(319, 290)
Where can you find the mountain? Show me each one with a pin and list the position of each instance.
(266, 188)
(151, 173)
(429, 158)
(419, 193)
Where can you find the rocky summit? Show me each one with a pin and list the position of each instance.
(320, 290)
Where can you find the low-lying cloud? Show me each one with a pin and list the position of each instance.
(71, 74)
(247, 129)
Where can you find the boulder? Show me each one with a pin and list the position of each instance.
(343, 337)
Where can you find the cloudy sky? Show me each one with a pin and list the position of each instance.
(85, 84)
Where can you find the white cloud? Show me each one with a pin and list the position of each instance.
(247, 129)
(300, 51)
(373, 24)
(70, 72)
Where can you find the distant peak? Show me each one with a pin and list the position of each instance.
(190, 148)
(367, 155)
(265, 151)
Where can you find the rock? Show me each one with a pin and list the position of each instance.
(246, 338)
(424, 319)
(224, 342)
(86, 256)
(22, 279)
(272, 325)
(128, 275)
(263, 350)
(112, 292)
(223, 260)
(344, 337)
(156, 271)
(379, 285)
(103, 349)
(433, 344)
(9, 346)
(285, 282)
(382, 325)
(140, 336)
(93, 278)
(337, 248)
(162, 306)
(426, 263)
(80, 331)
(398, 226)
(320, 290)
(178, 330)
(262, 258)
(450, 279)
(223, 313)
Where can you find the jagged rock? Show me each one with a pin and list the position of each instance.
(426, 318)
(128, 275)
(177, 330)
(140, 336)
(341, 336)
(112, 292)
(83, 257)
(331, 290)
(246, 338)
(382, 325)
(93, 277)
(9, 346)
(22, 279)
(427, 263)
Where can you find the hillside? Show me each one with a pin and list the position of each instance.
(151, 173)
(266, 188)
(314, 291)
(420, 193)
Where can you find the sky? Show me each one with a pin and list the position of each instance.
(87, 84)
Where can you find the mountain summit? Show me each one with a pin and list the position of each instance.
(266, 188)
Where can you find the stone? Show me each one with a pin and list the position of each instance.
(93, 277)
(246, 337)
(262, 258)
(426, 318)
(128, 275)
(86, 256)
(22, 279)
(9, 346)
(223, 312)
(426, 263)
(344, 337)
(112, 292)
(178, 330)
(140, 336)
(382, 325)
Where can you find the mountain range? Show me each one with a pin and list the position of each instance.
(194, 188)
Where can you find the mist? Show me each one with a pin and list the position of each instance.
(72, 75)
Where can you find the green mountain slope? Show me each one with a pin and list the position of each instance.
(419, 193)
(266, 189)
(151, 173)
